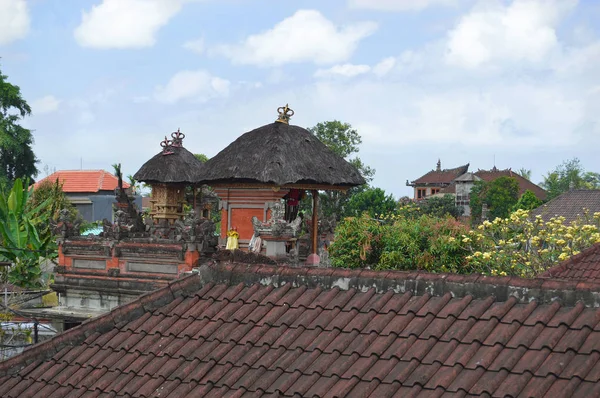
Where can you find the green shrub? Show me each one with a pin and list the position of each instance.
(428, 243)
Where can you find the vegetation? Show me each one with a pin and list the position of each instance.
(514, 245)
(519, 246)
(440, 207)
(569, 175)
(425, 242)
(22, 243)
(17, 159)
(527, 201)
(201, 157)
(343, 140)
(373, 201)
(499, 196)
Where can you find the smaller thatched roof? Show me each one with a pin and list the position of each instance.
(280, 154)
(174, 164)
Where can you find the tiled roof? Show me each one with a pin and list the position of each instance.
(570, 205)
(81, 181)
(441, 176)
(524, 183)
(584, 266)
(253, 331)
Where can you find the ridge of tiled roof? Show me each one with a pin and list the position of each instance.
(570, 205)
(444, 176)
(584, 266)
(84, 181)
(236, 329)
(524, 183)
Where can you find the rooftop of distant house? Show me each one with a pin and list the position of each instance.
(84, 181)
(440, 176)
(256, 330)
(571, 205)
(524, 183)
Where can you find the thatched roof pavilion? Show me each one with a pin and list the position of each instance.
(168, 173)
(281, 156)
(173, 165)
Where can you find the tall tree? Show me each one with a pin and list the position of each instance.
(499, 196)
(373, 201)
(343, 140)
(525, 173)
(17, 159)
(569, 175)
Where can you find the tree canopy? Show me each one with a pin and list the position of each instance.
(343, 140)
(373, 201)
(499, 196)
(570, 174)
(17, 159)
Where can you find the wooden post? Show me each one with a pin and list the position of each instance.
(194, 189)
(315, 221)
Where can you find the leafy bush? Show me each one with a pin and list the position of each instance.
(23, 240)
(425, 242)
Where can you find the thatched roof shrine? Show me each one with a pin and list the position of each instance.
(280, 155)
(174, 164)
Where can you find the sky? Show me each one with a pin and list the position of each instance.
(515, 84)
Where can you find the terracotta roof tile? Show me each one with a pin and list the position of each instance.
(584, 266)
(84, 181)
(571, 205)
(524, 184)
(445, 176)
(203, 336)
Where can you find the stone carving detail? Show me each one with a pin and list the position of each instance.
(277, 226)
(65, 226)
(194, 229)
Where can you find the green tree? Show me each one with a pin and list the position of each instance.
(51, 191)
(527, 201)
(440, 207)
(499, 195)
(21, 241)
(17, 159)
(201, 157)
(569, 175)
(344, 141)
(372, 201)
(525, 173)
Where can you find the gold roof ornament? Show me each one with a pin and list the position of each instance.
(285, 113)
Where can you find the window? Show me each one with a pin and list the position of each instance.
(435, 190)
(421, 193)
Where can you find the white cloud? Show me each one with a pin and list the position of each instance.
(46, 104)
(196, 46)
(14, 20)
(384, 66)
(399, 5)
(523, 31)
(196, 85)
(306, 36)
(345, 70)
(125, 23)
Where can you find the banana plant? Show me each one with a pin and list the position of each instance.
(21, 243)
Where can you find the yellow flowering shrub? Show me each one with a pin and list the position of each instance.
(518, 245)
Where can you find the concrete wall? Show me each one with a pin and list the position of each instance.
(97, 206)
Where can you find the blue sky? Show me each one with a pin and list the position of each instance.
(464, 81)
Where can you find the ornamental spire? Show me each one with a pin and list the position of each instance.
(285, 113)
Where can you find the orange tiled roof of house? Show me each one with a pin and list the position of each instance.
(75, 181)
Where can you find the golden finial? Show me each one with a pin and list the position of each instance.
(285, 113)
